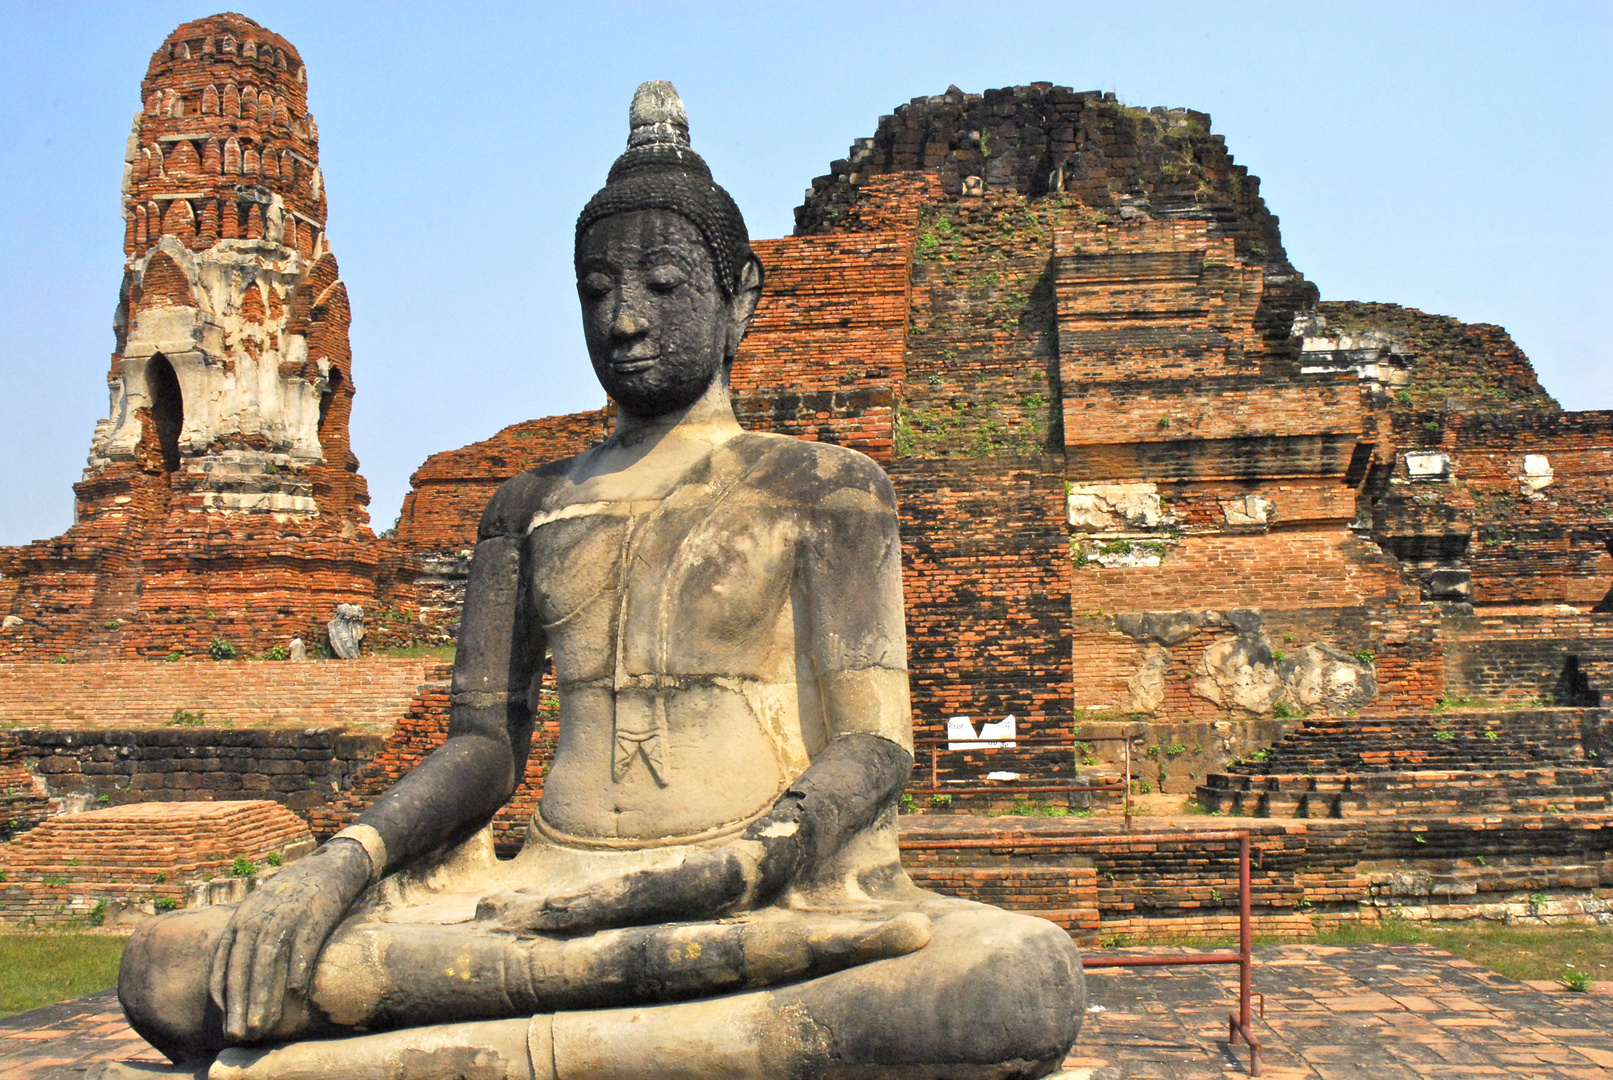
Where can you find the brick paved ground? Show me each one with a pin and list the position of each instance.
(61, 1042)
(1389, 1012)
(1370, 1012)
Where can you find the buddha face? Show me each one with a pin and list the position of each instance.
(655, 320)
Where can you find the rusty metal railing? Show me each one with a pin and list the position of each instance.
(1240, 1023)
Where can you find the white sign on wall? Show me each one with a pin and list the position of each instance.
(961, 734)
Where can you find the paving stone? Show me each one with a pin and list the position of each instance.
(1378, 1012)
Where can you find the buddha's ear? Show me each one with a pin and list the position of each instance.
(743, 305)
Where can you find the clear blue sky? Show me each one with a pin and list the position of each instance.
(1451, 157)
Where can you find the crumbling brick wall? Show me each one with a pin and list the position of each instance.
(1001, 296)
(987, 583)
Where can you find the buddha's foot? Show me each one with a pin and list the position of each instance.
(485, 1050)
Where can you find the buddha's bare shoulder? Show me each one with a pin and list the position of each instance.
(812, 473)
(511, 508)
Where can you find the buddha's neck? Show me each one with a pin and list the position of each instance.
(708, 419)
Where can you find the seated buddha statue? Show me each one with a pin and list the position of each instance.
(710, 886)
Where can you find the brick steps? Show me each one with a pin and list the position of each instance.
(1521, 762)
(1531, 731)
(1301, 870)
(1414, 792)
(138, 854)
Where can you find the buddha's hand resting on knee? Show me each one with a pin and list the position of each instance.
(274, 938)
(704, 885)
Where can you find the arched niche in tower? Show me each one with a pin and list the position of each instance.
(333, 386)
(180, 220)
(167, 408)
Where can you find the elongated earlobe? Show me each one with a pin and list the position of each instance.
(743, 306)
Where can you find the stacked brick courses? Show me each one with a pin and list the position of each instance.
(137, 854)
(24, 800)
(299, 768)
(987, 581)
(366, 694)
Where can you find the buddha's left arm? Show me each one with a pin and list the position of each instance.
(848, 586)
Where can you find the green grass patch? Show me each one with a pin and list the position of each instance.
(1516, 952)
(42, 969)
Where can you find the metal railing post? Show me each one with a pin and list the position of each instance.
(1127, 742)
(1238, 1024)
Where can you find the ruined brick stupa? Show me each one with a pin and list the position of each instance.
(222, 500)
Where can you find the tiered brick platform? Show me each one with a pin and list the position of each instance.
(1526, 762)
(77, 736)
(1531, 870)
(139, 854)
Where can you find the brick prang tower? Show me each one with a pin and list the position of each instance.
(230, 294)
(222, 498)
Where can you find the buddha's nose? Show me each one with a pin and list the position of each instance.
(626, 324)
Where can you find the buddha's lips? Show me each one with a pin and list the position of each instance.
(634, 363)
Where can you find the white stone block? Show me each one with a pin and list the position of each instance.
(1113, 507)
(1428, 466)
(1249, 510)
(1537, 476)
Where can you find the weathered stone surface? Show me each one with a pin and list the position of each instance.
(1147, 686)
(1164, 627)
(1241, 673)
(346, 631)
(1320, 677)
(1249, 510)
(1114, 507)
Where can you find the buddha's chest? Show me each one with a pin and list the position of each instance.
(687, 584)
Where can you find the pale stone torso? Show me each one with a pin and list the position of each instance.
(664, 592)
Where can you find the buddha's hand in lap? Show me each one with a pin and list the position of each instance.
(677, 961)
(704, 885)
(275, 936)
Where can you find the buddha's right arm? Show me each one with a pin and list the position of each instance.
(275, 936)
(464, 782)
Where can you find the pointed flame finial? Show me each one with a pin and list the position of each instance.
(657, 116)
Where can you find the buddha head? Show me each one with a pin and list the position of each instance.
(665, 272)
